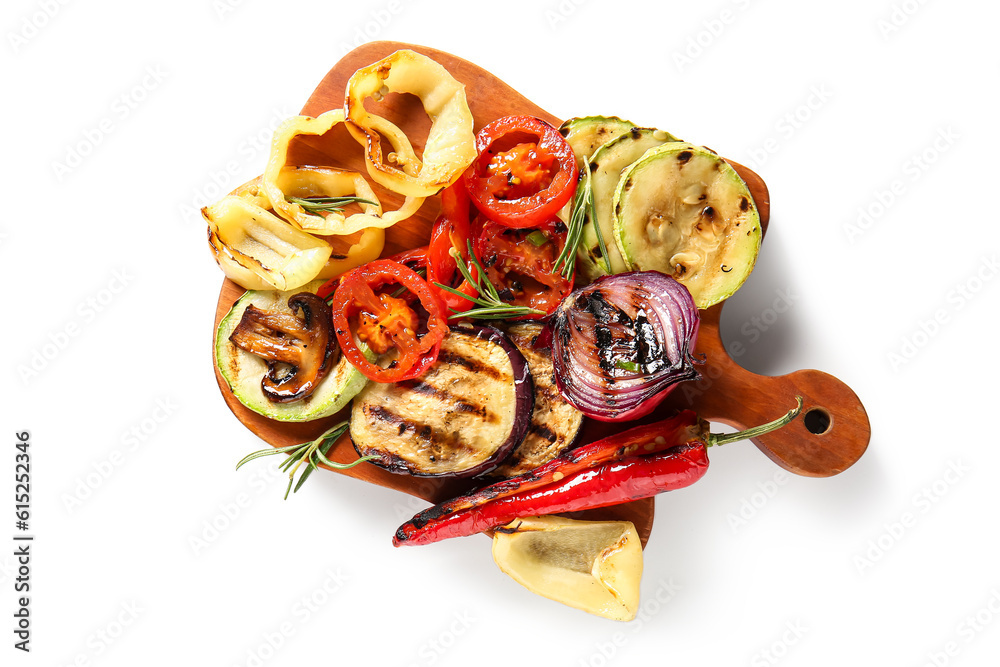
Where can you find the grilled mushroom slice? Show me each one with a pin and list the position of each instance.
(299, 351)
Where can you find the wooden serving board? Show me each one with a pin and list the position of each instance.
(834, 434)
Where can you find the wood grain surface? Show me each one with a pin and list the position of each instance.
(727, 393)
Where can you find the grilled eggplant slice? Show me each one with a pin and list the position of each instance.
(462, 418)
(554, 422)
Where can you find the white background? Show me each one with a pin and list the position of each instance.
(886, 107)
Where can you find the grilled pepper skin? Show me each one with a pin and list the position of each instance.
(615, 482)
(682, 428)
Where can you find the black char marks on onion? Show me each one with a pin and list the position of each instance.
(622, 343)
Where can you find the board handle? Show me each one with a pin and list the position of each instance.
(830, 434)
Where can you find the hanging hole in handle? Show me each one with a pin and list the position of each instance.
(817, 421)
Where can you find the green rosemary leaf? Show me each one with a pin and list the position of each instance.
(624, 365)
(341, 466)
(291, 460)
(592, 208)
(266, 452)
(581, 209)
(489, 310)
(327, 204)
(498, 313)
(305, 475)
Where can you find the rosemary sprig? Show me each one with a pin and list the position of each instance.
(581, 211)
(316, 205)
(491, 306)
(592, 213)
(312, 453)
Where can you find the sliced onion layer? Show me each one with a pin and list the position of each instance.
(622, 343)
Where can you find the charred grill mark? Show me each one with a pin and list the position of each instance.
(683, 157)
(603, 310)
(472, 365)
(449, 399)
(543, 431)
(602, 335)
(447, 445)
(379, 414)
(648, 349)
(744, 204)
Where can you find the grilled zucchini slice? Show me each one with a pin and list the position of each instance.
(243, 371)
(684, 211)
(606, 166)
(588, 133)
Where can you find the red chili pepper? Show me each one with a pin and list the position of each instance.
(450, 234)
(638, 463)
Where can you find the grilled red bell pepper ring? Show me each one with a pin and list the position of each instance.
(524, 174)
(358, 296)
(414, 258)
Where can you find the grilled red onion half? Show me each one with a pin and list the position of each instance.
(622, 343)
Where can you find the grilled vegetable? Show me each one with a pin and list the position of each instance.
(450, 146)
(387, 323)
(244, 371)
(520, 263)
(585, 135)
(684, 211)
(554, 422)
(610, 484)
(463, 417)
(595, 566)
(638, 463)
(448, 245)
(524, 173)
(299, 351)
(259, 251)
(606, 166)
(620, 344)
